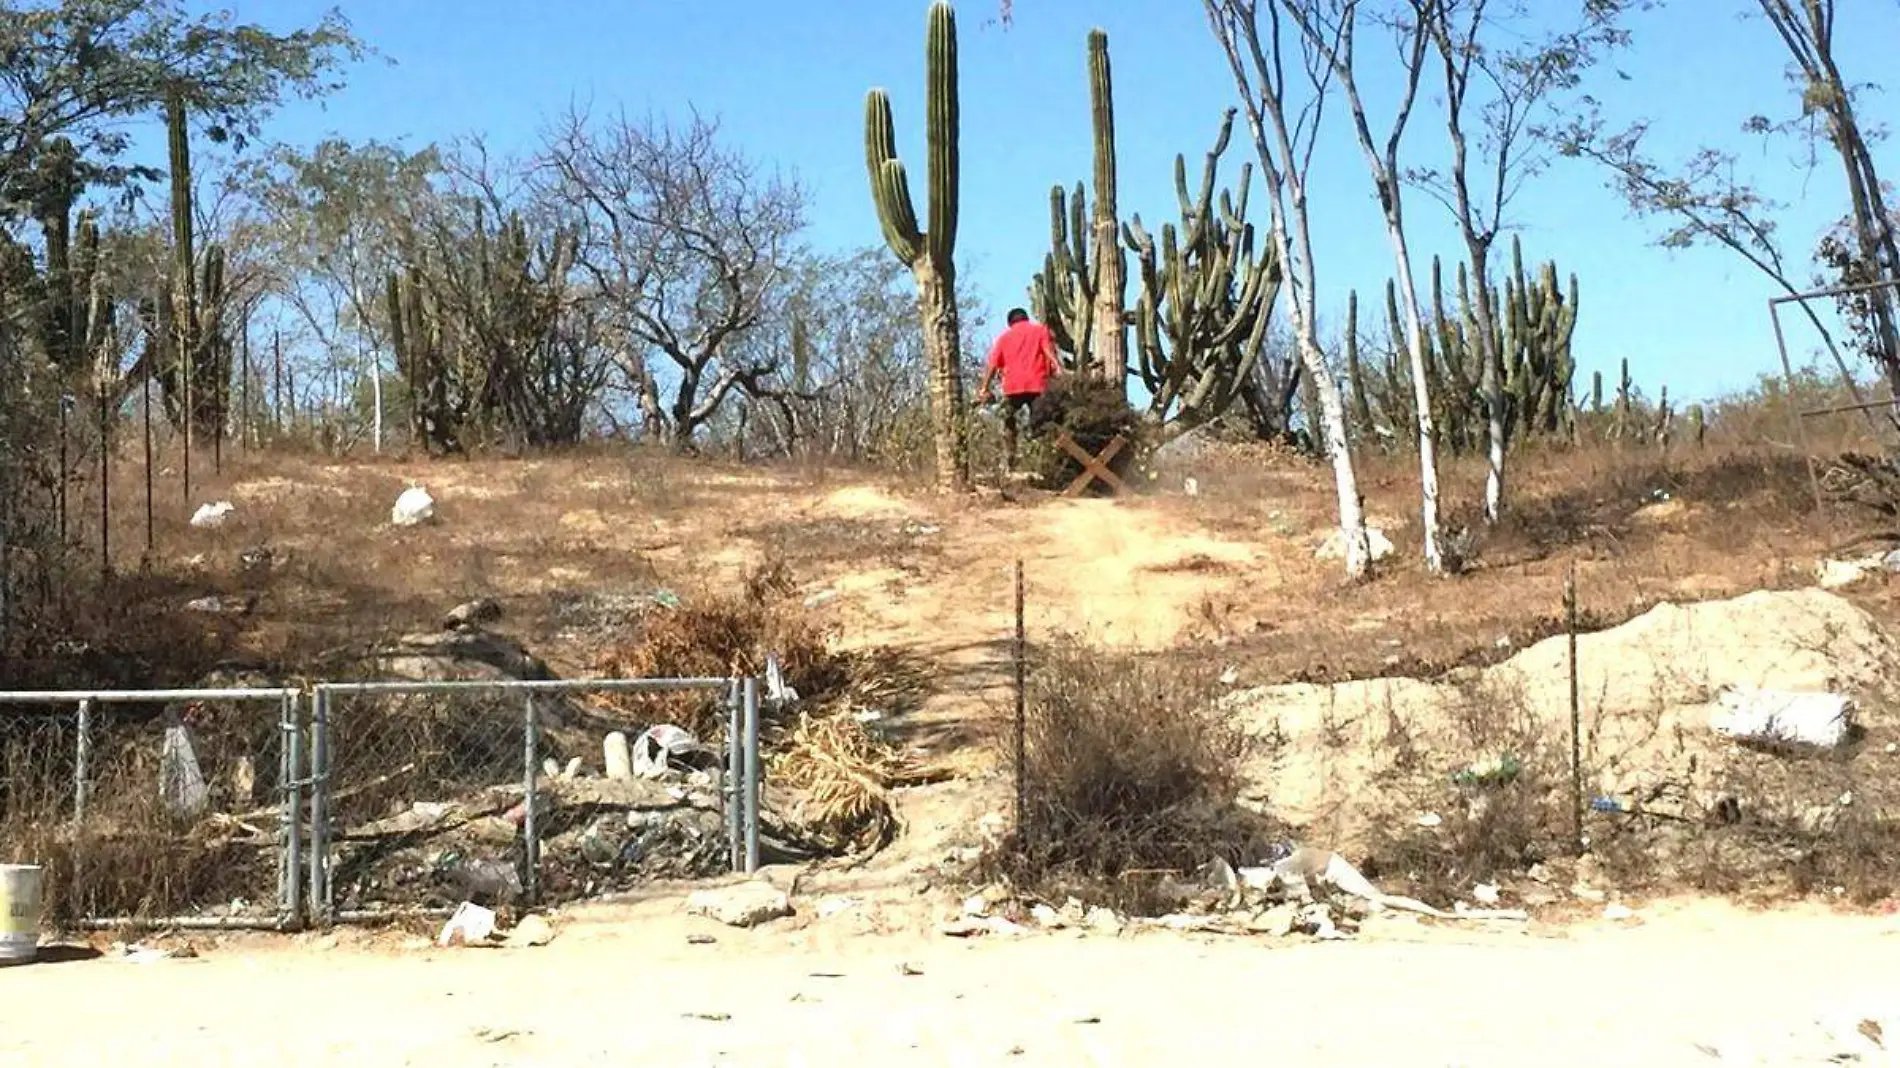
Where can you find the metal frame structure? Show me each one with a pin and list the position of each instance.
(1799, 419)
(290, 785)
(304, 884)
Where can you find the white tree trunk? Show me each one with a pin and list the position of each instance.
(1421, 396)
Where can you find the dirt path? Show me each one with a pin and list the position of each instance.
(629, 989)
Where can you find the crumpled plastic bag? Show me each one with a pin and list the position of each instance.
(1822, 720)
(667, 748)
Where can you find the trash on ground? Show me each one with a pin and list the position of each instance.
(1617, 911)
(471, 925)
(1499, 770)
(617, 756)
(209, 516)
(1485, 894)
(413, 506)
(181, 784)
(1334, 547)
(666, 748)
(1821, 720)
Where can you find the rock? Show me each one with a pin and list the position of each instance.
(414, 506)
(1276, 922)
(530, 932)
(476, 613)
(1048, 917)
(1334, 547)
(786, 877)
(1103, 921)
(1835, 574)
(459, 655)
(617, 753)
(745, 905)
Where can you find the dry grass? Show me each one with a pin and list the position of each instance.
(1130, 773)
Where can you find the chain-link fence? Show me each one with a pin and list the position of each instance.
(177, 808)
(270, 808)
(516, 793)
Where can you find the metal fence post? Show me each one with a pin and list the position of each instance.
(319, 806)
(751, 775)
(292, 784)
(82, 760)
(530, 829)
(735, 776)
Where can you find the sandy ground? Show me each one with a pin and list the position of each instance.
(626, 987)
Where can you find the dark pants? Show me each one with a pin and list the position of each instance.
(1017, 407)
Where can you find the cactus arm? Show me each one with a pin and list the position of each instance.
(941, 133)
(890, 186)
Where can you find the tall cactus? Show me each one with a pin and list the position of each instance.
(197, 348)
(1082, 298)
(930, 254)
(1206, 299)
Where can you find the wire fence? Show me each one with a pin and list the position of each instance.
(177, 807)
(356, 801)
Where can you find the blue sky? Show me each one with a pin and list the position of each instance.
(788, 81)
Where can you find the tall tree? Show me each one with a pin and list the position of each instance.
(1258, 51)
(689, 238)
(1330, 28)
(1501, 79)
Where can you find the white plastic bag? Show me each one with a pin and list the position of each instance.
(655, 752)
(181, 784)
(212, 515)
(471, 925)
(413, 507)
(1817, 719)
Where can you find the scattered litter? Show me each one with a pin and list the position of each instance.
(471, 925)
(1230, 676)
(1605, 804)
(220, 606)
(412, 507)
(700, 940)
(777, 691)
(181, 785)
(1817, 719)
(1485, 894)
(1499, 770)
(1834, 574)
(1334, 547)
(1430, 819)
(822, 597)
(923, 529)
(617, 756)
(907, 968)
(1047, 917)
(832, 906)
(867, 715)
(1618, 911)
(667, 748)
(1191, 486)
(711, 1017)
(211, 516)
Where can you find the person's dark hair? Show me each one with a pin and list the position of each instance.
(1017, 315)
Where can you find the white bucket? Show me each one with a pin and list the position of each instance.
(19, 913)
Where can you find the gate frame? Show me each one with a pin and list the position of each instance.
(290, 784)
(739, 790)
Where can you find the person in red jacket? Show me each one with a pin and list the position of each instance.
(1025, 357)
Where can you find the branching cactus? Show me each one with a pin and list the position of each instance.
(929, 253)
(1084, 299)
(191, 309)
(1206, 296)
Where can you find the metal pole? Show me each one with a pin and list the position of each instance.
(319, 806)
(735, 775)
(531, 852)
(1576, 712)
(1022, 716)
(292, 781)
(105, 483)
(149, 511)
(1794, 415)
(82, 761)
(751, 775)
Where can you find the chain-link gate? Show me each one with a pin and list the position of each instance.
(161, 808)
(428, 793)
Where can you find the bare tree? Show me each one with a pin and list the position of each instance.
(1806, 29)
(1499, 93)
(689, 239)
(1330, 29)
(1254, 40)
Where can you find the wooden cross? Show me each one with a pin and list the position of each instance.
(1093, 467)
